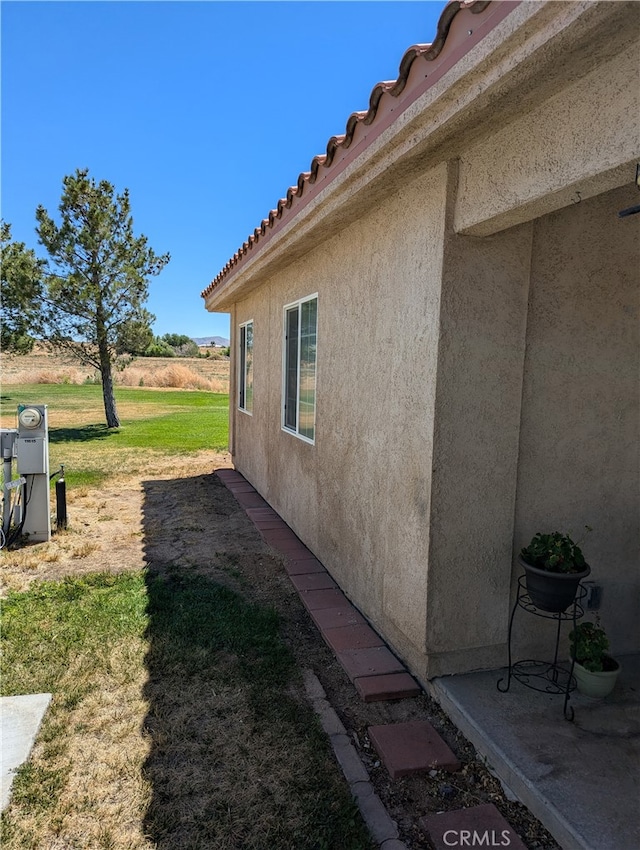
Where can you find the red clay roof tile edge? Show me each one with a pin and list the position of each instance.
(394, 88)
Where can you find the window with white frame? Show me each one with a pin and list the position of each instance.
(245, 368)
(299, 368)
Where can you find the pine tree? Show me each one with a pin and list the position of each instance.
(97, 277)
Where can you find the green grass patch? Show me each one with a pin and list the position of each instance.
(164, 421)
(56, 624)
(236, 759)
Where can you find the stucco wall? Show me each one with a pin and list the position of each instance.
(359, 497)
(557, 152)
(479, 388)
(477, 373)
(470, 392)
(579, 441)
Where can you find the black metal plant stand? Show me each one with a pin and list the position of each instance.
(549, 677)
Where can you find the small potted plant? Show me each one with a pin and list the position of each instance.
(595, 670)
(554, 567)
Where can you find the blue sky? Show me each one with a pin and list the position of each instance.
(206, 111)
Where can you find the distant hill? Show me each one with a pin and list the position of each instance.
(211, 340)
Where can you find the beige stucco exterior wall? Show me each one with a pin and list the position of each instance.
(478, 359)
(359, 497)
(570, 146)
(536, 425)
(479, 388)
(440, 357)
(579, 458)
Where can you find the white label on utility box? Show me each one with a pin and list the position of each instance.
(31, 455)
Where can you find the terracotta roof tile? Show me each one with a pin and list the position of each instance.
(393, 88)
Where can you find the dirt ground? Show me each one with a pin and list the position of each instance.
(189, 519)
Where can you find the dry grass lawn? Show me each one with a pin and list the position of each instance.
(178, 717)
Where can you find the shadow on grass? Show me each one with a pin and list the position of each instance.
(83, 434)
(237, 758)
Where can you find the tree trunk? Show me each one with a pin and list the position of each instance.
(110, 409)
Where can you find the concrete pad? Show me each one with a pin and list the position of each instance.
(412, 747)
(485, 821)
(352, 637)
(391, 686)
(334, 618)
(580, 779)
(20, 719)
(369, 662)
(312, 581)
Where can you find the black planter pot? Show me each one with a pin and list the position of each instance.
(552, 592)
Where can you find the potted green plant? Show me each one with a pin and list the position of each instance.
(554, 567)
(595, 670)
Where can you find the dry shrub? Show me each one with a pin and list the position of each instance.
(180, 376)
(202, 373)
(174, 375)
(47, 376)
(132, 377)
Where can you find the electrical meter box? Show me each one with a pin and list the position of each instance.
(32, 454)
(31, 444)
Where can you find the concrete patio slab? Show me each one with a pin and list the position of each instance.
(580, 779)
(447, 829)
(412, 747)
(20, 719)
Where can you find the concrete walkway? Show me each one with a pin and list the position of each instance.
(581, 779)
(20, 719)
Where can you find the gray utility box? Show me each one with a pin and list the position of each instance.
(32, 452)
(32, 455)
